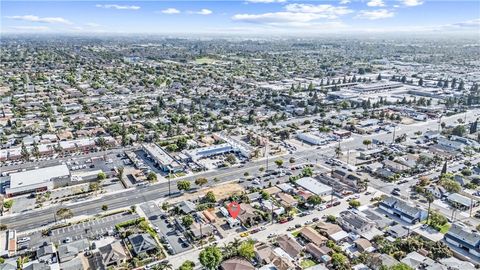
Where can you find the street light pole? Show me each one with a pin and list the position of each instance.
(394, 129)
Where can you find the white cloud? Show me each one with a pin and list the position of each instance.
(266, 1)
(203, 11)
(375, 14)
(93, 24)
(33, 18)
(327, 11)
(296, 15)
(344, 2)
(376, 3)
(277, 17)
(170, 11)
(475, 23)
(412, 3)
(121, 7)
(30, 28)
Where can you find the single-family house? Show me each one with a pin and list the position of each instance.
(464, 238)
(402, 210)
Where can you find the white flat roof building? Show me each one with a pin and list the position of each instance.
(166, 162)
(314, 186)
(313, 139)
(377, 86)
(38, 179)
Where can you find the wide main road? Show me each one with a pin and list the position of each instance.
(42, 217)
(39, 218)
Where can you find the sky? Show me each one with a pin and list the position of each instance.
(241, 17)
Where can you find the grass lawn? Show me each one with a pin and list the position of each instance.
(295, 234)
(307, 263)
(444, 229)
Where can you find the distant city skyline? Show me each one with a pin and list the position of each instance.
(241, 17)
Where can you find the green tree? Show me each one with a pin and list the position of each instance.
(430, 199)
(210, 257)
(24, 152)
(314, 200)
(201, 181)
(187, 265)
(152, 177)
(279, 162)
(437, 220)
(291, 160)
(367, 143)
(183, 185)
(331, 218)
(459, 130)
(265, 195)
(307, 172)
(400, 266)
(187, 220)
(354, 203)
(210, 197)
(231, 159)
(120, 172)
(101, 176)
(35, 150)
(64, 213)
(94, 186)
(450, 185)
(246, 250)
(339, 261)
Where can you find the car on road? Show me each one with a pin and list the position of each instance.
(67, 240)
(23, 240)
(308, 222)
(271, 235)
(315, 219)
(298, 226)
(395, 192)
(244, 234)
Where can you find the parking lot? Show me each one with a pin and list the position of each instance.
(166, 231)
(89, 229)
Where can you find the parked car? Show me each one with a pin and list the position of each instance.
(23, 240)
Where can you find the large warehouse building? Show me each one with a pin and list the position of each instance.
(35, 180)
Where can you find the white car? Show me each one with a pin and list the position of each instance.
(271, 235)
(23, 240)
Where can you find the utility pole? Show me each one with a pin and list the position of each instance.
(169, 176)
(266, 154)
(272, 210)
(394, 129)
(440, 122)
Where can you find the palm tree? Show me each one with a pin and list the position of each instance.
(102, 143)
(338, 151)
(430, 199)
